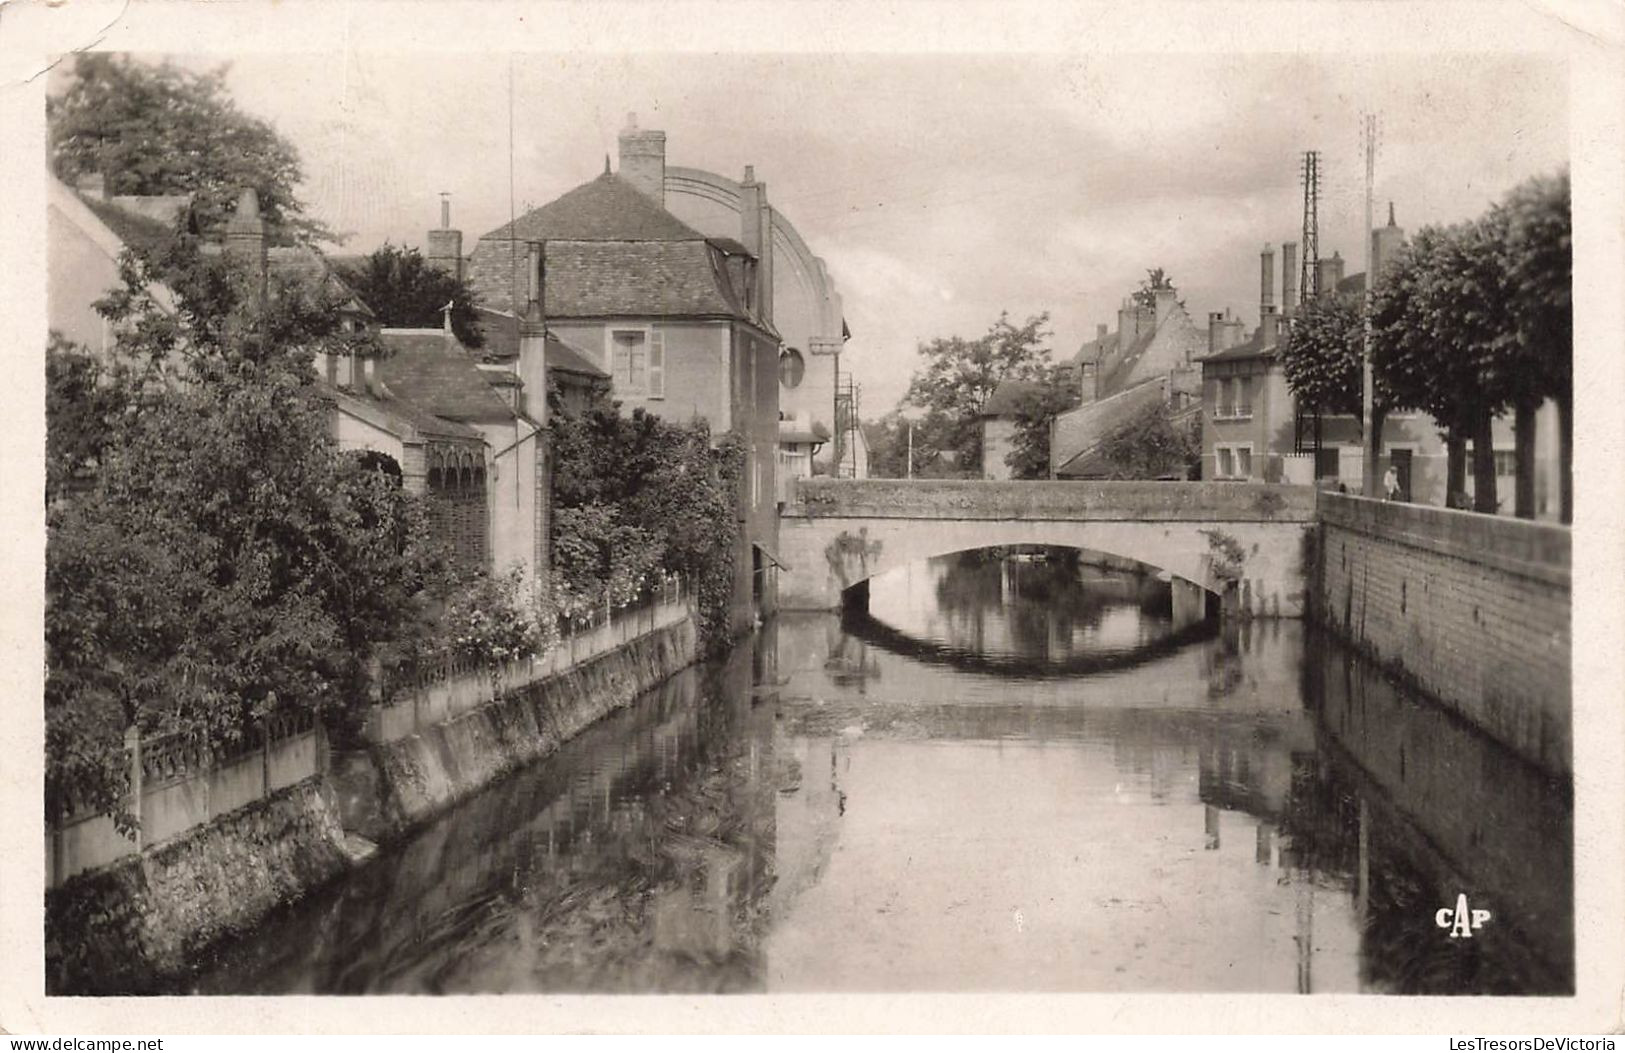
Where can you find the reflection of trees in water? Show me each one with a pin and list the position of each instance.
(637, 858)
(1043, 603)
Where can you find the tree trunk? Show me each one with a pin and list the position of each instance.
(1455, 470)
(1484, 465)
(1565, 468)
(1373, 455)
(1523, 422)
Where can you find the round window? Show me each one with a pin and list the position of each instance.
(791, 368)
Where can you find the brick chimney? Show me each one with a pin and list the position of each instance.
(533, 328)
(245, 243)
(1165, 300)
(1101, 330)
(1289, 278)
(1223, 331)
(1266, 280)
(1269, 326)
(445, 244)
(1329, 272)
(643, 159)
(756, 232)
(1130, 317)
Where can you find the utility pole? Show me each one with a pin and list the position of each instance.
(910, 449)
(1373, 441)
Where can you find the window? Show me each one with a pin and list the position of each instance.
(637, 362)
(1506, 463)
(1233, 461)
(792, 367)
(1235, 398)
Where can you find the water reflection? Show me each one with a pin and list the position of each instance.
(825, 811)
(1031, 610)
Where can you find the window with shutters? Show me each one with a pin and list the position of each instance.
(637, 362)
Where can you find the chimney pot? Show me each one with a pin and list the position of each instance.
(445, 210)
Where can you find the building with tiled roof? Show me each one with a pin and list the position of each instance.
(86, 234)
(1155, 347)
(1252, 427)
(801, 296)
(681, 322)
(999, 423)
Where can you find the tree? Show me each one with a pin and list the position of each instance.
(229, 562)
(1153, 444)
(1322, 352)
(1155, 279)
(404, 290)
(1437, 316)
(83, 406)
(164, 130)
(1533, 227)
(635, 496)
(960, 375)
(1035, 412)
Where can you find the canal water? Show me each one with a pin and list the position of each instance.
(1013, 773)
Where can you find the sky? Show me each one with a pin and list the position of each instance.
(941, 189)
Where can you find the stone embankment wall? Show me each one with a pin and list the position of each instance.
(397, 785)
(121, 929)
(1474, 610)
(141, 924)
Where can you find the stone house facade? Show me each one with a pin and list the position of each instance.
(676, 320)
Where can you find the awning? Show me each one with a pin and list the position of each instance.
(771, 558)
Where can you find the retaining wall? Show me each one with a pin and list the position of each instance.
(1472, 609)
(140, 924)
(120, 929)
(399, 784)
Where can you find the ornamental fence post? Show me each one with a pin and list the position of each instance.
(132, 743)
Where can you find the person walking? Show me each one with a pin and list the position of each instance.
(1390, 484)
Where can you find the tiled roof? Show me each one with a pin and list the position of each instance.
(1113, 380)
(1092, 464)
(501, 331)
(141, 232)
(1079, 431)
(430, 369)
(606, 279)
(395, 412)
(1006, 398)
(606, 209)
(567, 359)
(1095, 349)
(1252, 347)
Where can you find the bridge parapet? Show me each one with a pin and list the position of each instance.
(970, 499)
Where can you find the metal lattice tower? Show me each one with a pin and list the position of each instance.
(1309, 279)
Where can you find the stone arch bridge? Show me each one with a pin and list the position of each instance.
(1241, 540)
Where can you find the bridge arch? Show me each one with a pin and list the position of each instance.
(1242, 539)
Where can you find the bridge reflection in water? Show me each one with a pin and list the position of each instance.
(836, 809)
